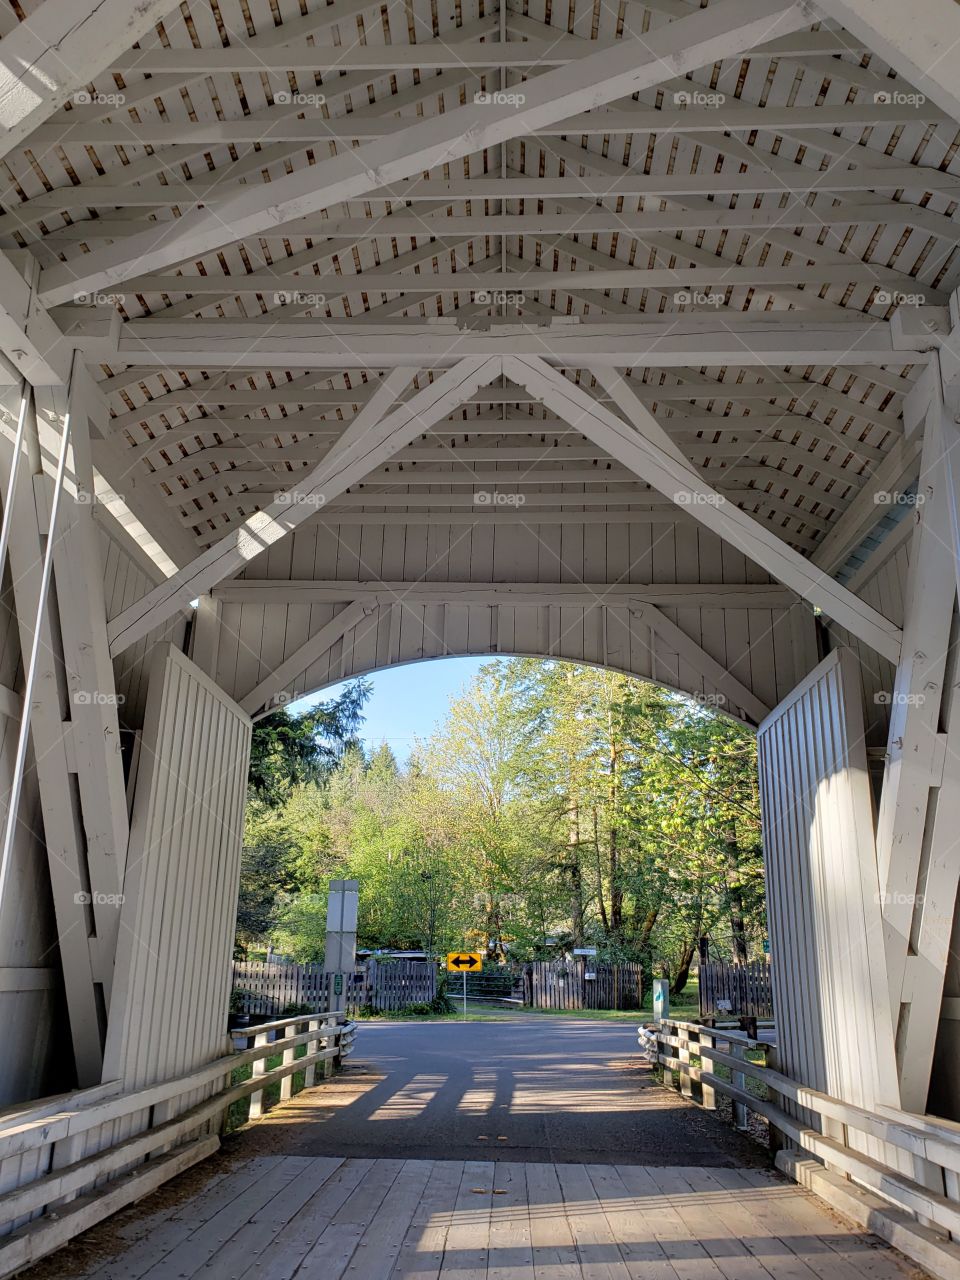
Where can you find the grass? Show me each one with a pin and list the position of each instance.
(688, 1006)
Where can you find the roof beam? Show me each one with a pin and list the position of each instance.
(373, 436)
(696, 595)
(720, 31)
(644, 448)
(59, 49)
(619, 276)
(671, 340)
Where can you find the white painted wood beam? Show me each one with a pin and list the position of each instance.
(923, 48)
(697, 595)
(62, 833)
(721, 31)
(374, 435)
(284, 125)
(643, 447)
(59, 49)
(388, 278)
(282, 677)
(892, 477)
(650, 342)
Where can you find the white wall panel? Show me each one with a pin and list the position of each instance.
(826, 938)
(169, 1008)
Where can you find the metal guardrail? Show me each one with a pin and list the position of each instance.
(71, 1161)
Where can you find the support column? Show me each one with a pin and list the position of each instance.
(920, 799)
(80, 955)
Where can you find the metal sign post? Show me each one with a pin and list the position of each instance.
(464, 962)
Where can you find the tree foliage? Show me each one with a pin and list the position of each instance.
(556, 806)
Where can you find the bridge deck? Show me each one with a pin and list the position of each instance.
(320, 1218)
(386, 1172)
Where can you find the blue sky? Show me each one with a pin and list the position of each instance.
(407, 702)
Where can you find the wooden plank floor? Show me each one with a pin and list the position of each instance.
(320, 1218)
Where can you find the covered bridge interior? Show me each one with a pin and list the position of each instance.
(337, 336)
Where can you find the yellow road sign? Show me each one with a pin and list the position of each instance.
(464, 961)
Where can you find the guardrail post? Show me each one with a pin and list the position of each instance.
(669, 1079)
(708, 1094)
(738, 1080)
(289, 1055)
(686, 1087)
(776, 1139)
(310, 1074)
(259, 1069)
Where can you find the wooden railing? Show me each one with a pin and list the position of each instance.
(71, 1161)
(911, 1163)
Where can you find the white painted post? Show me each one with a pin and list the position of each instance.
(740, 1117)
(286, 1084)
(310, 1074)
(259, 1068)
(708, 1093)
(683, 1054)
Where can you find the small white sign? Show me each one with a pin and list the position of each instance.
(584, 951)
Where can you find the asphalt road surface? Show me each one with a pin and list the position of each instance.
(530, 1088)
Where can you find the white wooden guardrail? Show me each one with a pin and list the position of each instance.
(896, 1173)
(71, 1161)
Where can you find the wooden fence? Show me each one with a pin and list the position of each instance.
(384, 985)
(736, 990)
(581, 984)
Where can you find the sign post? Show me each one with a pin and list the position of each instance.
(464, 962)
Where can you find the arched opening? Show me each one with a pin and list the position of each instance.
(532, 809)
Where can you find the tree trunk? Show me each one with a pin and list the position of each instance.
(616, 890)
(738, 927)
(576, 877)
(683, 970)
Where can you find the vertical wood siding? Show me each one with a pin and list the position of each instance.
(173, 965)
(832, 1010)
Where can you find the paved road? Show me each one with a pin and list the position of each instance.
(528, 1088)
